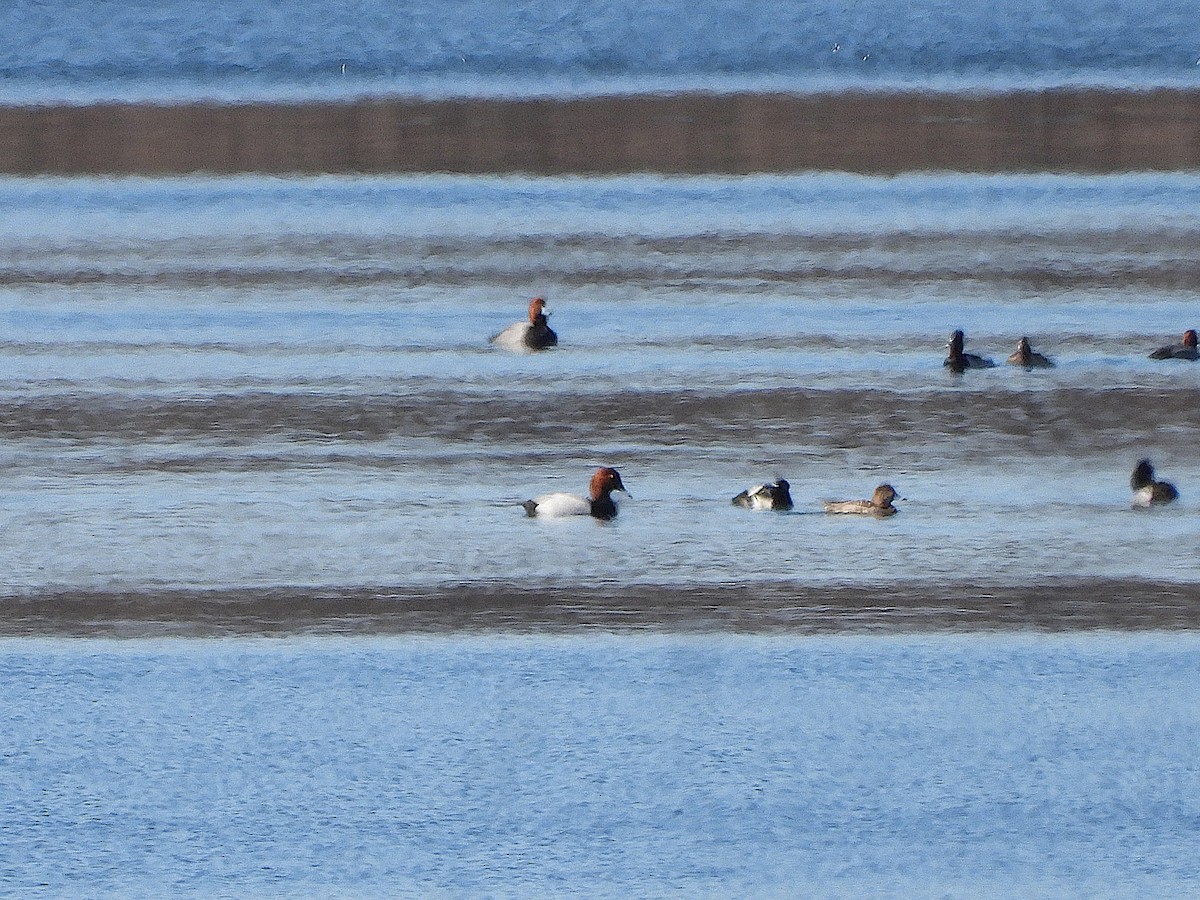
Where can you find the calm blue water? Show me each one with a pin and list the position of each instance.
(77, 50)
(715, 766)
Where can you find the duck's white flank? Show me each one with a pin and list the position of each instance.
(556, 506)
(513, 338)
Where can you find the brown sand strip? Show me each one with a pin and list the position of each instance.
(1081, 130)
(1077, 605)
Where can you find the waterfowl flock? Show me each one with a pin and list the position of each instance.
(958, 361)
(776, 495)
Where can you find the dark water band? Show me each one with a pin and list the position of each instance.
(771, 608)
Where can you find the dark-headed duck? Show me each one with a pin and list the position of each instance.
(598, 504)
(1185, 349)
(1147, 491)
(536, 334)
(776, 495)
(880, 504)
(958, 362)
(1026, 356)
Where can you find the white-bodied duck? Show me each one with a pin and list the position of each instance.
(599, 503)
(536, 334)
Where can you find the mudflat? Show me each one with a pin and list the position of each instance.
(1064, 129)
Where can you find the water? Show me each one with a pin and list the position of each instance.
(260, 405)
(254, 406)
(260, 382)
(77, 51)
(536, 766)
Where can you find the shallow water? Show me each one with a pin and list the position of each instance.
(602, 766)
(261, 406)
(260, 382)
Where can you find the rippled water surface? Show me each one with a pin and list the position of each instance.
(258, 382)
(255, 406)
(74, 50)
(260, 406)
(601, 766)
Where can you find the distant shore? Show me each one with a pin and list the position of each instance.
(1060, 130)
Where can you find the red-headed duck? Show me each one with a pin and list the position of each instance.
(1147, 491)
(1026, 356)
(880, 504)
(958, 362)
(1185, 349)
(536, 334)
(598, 504)
(776, 495)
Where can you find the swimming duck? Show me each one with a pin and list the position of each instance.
(958, 362)
(776, 495)
(1185, 349)
(536, 334)
(1147, 491)
(1025, 356)
(880, 503)
(598, 504)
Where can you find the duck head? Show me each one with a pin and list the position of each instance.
(883, 496)
(537, 307)
(1143, 475)
(605, 481)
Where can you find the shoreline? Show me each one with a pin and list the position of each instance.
(1084, 130)
(772, 608)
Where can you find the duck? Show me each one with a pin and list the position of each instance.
(958, 362)
(536, 334)
(1185, 349)
(1147, 491)
(880, 504)
(1026, 356)
(599, 503)
(774, 495)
